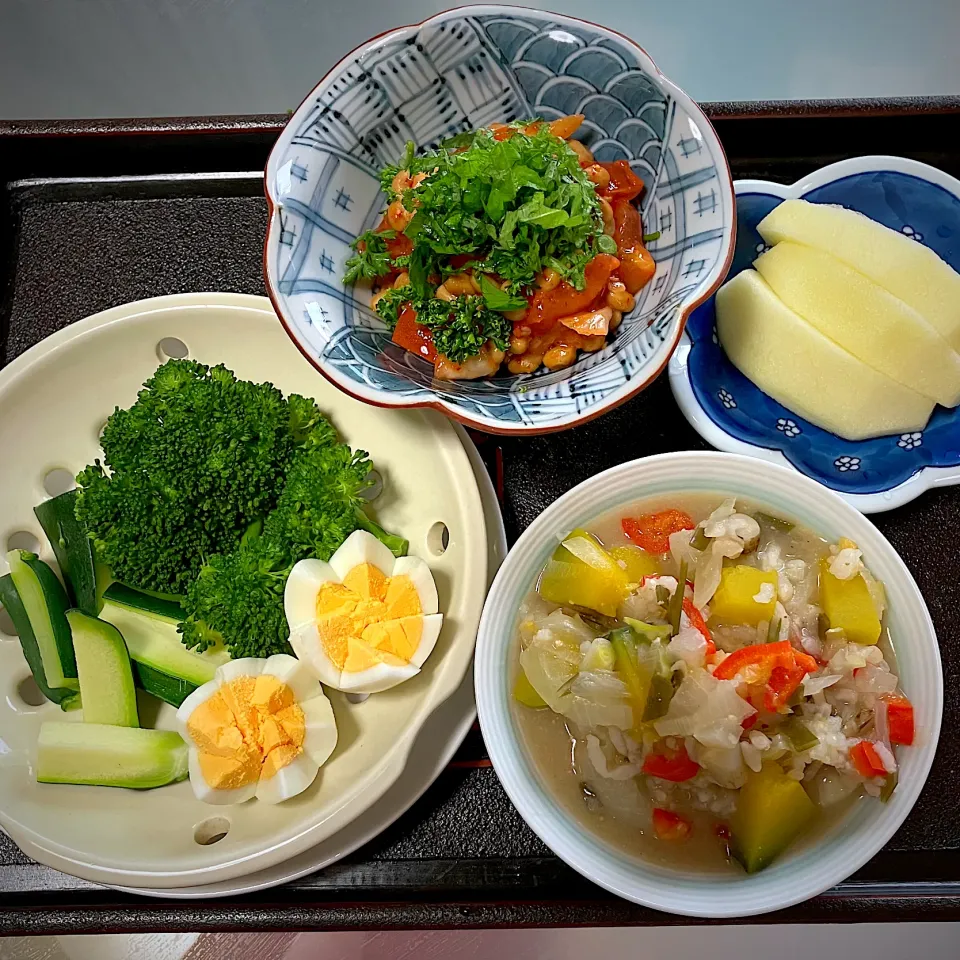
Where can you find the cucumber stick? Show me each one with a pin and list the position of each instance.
(68, 698)
(94, 753)
(45, 635)
(149, 627)
(103, 668)
(161, 685)
(85, 577)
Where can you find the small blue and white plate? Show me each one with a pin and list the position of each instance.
(733, 414)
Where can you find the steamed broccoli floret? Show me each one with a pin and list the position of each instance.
(187, 468)
(238, 597)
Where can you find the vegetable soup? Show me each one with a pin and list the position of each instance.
(701, 682)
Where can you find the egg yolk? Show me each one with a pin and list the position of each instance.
(250, 728)
(369, 618)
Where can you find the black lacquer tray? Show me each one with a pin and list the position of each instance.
(96, 214)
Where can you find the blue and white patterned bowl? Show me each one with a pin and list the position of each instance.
(734, 415)
(460, 70)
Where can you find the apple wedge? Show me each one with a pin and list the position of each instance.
(806, 371)
(901, 265)
(863, 318)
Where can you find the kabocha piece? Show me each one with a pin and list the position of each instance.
(37, 604)
(772, 811)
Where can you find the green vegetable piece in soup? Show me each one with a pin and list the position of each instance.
(772, 811)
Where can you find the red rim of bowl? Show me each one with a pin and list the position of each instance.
(438, 405)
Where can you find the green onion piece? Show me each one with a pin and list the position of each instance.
(700, 540)
(650, 237)
(889, 785)
(773, 631)
(765, 519)
(648, 632)
(663, 595)
(799, 734)
(676, 601)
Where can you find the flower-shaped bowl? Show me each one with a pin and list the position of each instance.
(734, 415)
(460, 70)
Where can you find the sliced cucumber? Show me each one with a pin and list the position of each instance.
(94, 753)
(45, 602)
(103, 665)
(152, 639)
(85, 576)
(171, 690)
(157, 606)
(66, 697)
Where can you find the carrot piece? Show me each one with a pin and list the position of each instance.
(673, 765)
(411, 336)
(866, 760)
(624, 183)
(670, 826)
(590, 324)
(548, 306)
(636, 265)
(900, 720)
(637, 269)
(566, 127)
(652, 531)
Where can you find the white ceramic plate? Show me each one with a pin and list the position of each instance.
(53, 401)
(811, 865)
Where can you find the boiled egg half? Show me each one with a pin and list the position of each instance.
(260, 728)
(366, 620)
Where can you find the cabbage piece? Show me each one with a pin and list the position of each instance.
(706, 708)
(598, 760)
(598, 698)
(552, 657)
(723, 764)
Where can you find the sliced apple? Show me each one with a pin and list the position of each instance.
(902, 266)
(863, 318)
(806, 371)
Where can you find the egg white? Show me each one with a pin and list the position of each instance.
(290, 671)
(320, 739)
(376, 679)
(423, 582)
(432, 625)
(288, 781)
(362, 547)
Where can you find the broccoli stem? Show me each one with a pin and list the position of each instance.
(397, 545)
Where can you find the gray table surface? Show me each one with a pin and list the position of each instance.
(154, 58)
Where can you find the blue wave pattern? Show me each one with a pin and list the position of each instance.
(915, 207)
(456, 75)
